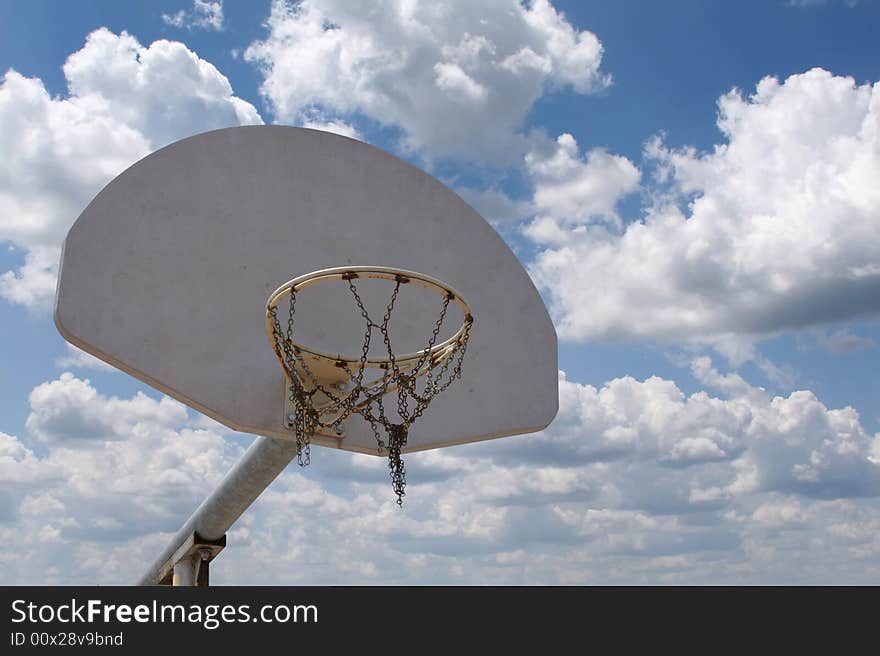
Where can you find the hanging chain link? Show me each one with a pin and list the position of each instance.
(366, 398)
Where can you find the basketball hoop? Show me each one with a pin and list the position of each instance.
(325, 389)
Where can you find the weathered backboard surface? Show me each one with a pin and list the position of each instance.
(166, 273)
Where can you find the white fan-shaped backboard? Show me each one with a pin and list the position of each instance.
(166, 273)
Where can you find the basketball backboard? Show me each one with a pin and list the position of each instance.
(166, 273)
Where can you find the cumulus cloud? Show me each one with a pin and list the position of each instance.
(124, 100)
(75, 358)
(650, 447)
(21, 473)
(58, 153)
(494, 205)
(820, 3)
(780, 512)
(797, 444)
(18, 464)
(776, 228)
(70, 409)
(165, 91)
(110, 471)
(204, 15)
(415, 65)
(635, 482)
(844, 341)
(570, 190)
(317, 121)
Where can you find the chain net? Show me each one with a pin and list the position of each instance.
(416, 384)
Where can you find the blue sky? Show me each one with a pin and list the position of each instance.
(692, 186)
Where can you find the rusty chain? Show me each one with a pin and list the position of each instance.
(366, 399)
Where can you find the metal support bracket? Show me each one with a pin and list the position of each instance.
(195, 552)
(337, 432)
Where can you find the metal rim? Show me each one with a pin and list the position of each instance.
(443, 349)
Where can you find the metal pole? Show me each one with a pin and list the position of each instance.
(184, 573)
(264, 460)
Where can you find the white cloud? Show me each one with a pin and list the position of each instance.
(820, 3)
(572, 190)
(33, 283)
(844, 341)
(204, 15)
(696, 449)
(56, 152)
(124, 101)
(19, 465)
(177, 19)
(781, 512)
(317, 121)
(495, 205)
(165, 91)
(781, 230)
(78, 359)
(731, 384)
(112, 471)
(569, 189)
(70, 408)
(458, 78)
(634, 482)
(663, 450)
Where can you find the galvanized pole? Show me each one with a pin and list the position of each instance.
(184, 573)
(205, 530)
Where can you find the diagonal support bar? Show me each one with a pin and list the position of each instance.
(261, 464)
